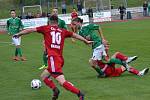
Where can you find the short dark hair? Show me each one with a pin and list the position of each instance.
(12, 10)
(78, 20)
(53, 18)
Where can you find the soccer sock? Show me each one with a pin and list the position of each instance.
(121, 56)
(116, 61)
(16, 52)
(99, 71)
(49, 83)
(133, 70)
(19, 52)
(45, 59)
(69, 86)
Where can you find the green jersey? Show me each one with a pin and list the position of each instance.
(149, 7)
(62, 24)
(14, 25)
(91, 32)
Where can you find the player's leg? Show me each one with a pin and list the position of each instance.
(45, 76)
(94, 64)
(123, 57)
(45, 58)
(98, 54)
(55, 64)
(17, 42)
(137, 72)
(69, 86)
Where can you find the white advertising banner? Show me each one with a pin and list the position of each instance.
(101, 16)
(36, 22)
(67, 18)
(3, 23)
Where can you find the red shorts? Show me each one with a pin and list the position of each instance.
(111, 71)
(55, 64)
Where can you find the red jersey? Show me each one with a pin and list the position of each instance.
(74, 15)
(54, 38)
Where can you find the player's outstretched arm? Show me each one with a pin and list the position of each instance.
(24, 32)
(81, 38)
(105, 42)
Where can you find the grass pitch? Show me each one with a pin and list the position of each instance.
(131, 38)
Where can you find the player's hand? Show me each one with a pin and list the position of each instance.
(88, 42)
(105, 42)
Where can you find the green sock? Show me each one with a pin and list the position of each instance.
(20, 52)
(99, 71)
(16, 52)
(115, 60)
(45, 59)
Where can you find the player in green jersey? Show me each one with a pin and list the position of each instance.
(61, 24)
(14, 25)
(100, 46)
(100, 61)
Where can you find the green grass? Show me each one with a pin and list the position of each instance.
(131, 38)
(130, 3)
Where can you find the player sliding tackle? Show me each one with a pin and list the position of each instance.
(54, 38)
(100, 61)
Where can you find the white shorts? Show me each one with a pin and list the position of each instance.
(99, 52)
(16, 41)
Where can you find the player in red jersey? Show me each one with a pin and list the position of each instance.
(74, 14)
(110, 70)
(54, 38)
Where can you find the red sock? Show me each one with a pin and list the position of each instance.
(49, 83)
(133, 71)
(121, 56)
(68, 86)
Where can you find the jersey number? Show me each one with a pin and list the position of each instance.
(56, 37)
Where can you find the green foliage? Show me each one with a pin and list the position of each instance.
(131, 38)
(130, 3)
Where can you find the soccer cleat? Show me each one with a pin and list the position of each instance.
(126, 65)
(43, 67)
(56, 93)
(16, 58)
(130, 59)
(143, 72)
(81, 96)
(23, 58)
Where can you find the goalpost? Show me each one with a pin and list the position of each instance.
(37, 7)
(98, 5)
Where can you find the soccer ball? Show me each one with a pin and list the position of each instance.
(35, 84)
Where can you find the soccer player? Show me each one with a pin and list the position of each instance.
(54, 41)
(100, 60)
(109, 69)
(74, 14)
(61, 24)
(14, 25)
(100, 45)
